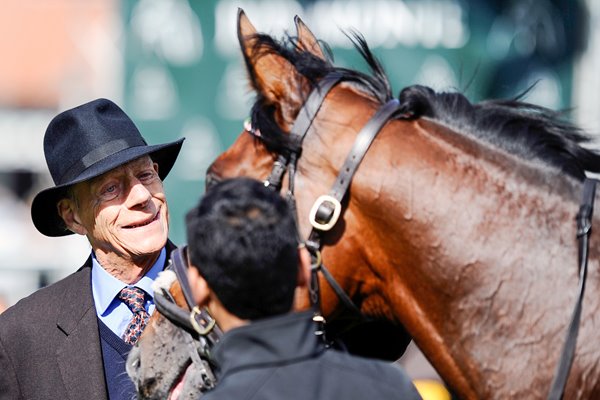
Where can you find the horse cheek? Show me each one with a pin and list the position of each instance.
(245, 157)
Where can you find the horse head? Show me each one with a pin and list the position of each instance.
(283, 79)
(166, 362)
(458, 223)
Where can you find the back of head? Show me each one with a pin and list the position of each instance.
(242, 238)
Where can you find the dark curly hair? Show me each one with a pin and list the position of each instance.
(242, 238)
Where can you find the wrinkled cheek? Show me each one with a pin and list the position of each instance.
(102, 239)
(166, 218)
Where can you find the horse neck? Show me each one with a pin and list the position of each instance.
(479, 206)
(478, 245)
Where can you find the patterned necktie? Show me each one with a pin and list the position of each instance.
(134, 298)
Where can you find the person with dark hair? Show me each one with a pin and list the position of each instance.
(70, 340)
(247, 264)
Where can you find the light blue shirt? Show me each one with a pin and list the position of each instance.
(113, 312)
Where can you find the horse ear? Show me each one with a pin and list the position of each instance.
(245, 27)
(271, 74)
(307, 41)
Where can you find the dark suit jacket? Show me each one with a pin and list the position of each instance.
(50, 345)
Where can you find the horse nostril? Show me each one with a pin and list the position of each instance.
(148, 385)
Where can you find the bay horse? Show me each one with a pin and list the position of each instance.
(458, 224)
(162, 364)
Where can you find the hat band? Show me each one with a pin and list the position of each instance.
(96, 155)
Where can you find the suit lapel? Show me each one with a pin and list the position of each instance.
(80, 355)
(170, 247)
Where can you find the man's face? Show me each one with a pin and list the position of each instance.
(125, 210)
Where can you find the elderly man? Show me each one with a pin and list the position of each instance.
(70, 339)
(246, 268)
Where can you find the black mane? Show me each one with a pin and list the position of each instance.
(523, 129)
(526, 130)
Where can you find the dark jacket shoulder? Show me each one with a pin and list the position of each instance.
(42, 306)
(282, 358)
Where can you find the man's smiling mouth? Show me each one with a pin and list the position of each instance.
(148, 222)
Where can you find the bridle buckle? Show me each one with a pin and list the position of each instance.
(325, 212)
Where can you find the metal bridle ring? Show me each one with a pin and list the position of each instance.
(202, 331)
(335, 213)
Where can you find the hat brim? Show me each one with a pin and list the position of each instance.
(43, 208)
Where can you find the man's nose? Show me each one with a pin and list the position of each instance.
(138, 195)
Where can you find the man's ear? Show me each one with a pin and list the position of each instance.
(199, 286)
(67, 209)
(304, 267)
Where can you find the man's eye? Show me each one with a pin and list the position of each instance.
(111, 189)
(145, 176)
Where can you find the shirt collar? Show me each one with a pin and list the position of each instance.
(106, 287)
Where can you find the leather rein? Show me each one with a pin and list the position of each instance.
(326, 211)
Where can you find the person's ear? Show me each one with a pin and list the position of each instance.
(304, 267)
(67, 209)
(199, 286)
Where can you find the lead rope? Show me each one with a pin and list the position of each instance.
(584, 229)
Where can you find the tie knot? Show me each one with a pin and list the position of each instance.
(134, 298)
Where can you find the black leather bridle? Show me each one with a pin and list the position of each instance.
(326, 210)
(197, 321)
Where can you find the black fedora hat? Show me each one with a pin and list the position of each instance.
(85, 142)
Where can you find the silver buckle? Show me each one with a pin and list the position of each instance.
(337, 209)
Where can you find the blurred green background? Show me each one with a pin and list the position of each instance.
(174, 66)
(176, 69)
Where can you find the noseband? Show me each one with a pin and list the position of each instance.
(196, 322)
(327, 208)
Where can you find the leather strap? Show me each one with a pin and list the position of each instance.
(274, 180)
(180, 268)
(362, 143)
(166, 304)
(311, 107)
(339, 291)
(584, 228)
(304, 120)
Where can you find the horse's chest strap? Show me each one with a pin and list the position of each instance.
(584, 228)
